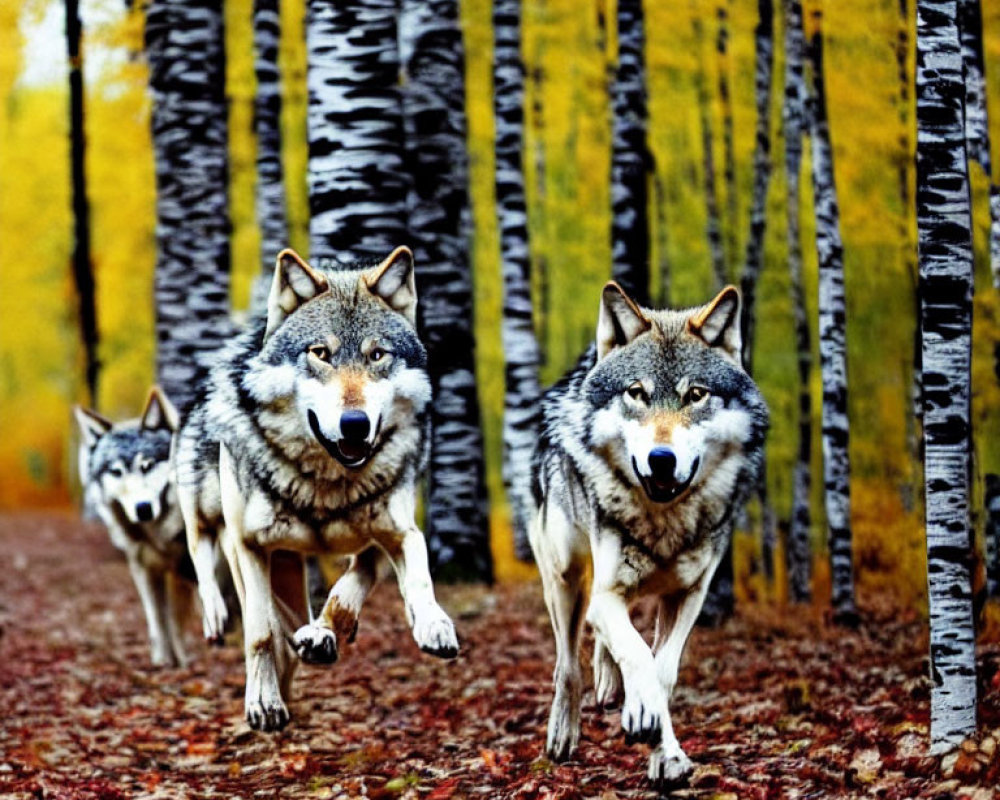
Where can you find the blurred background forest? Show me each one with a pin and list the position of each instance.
(567, 47)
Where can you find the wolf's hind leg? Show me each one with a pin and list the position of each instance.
(201, 547)
(562, 582)
(608, 689)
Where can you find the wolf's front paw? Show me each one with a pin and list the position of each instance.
(436, 636)
(642, 712)
(669, 770)
(213, 613)
(315, 644)
(268, 714)
(161, 654)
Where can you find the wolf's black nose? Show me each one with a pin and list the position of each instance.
(662, 463)
(354, 426)
(144, 511)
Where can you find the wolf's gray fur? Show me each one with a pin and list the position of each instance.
(124, 469)
(310, 437)
(650, 444)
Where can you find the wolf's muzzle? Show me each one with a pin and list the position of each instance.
(353, 449)
(661, 485)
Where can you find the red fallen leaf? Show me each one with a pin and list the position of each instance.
(203, 748)
(864, 724)
(293, 763)
(444, 790)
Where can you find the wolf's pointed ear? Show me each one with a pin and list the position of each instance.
(718, 324)
(92, 425)
(395, 282)
(620, 320)
(294, 283)
(159, 413)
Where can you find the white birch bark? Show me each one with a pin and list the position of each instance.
(522, 409)
(833, 352)
(944, 227)
(184, 46)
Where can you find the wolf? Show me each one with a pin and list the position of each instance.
(125, 473)
(309, 437)
(648, 448)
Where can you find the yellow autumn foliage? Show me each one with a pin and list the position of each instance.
(567, 46)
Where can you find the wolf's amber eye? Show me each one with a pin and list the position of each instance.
(116, 471)
(637, 392)
(377, 354)
(695, 395)
(320, 351)
(145, 467)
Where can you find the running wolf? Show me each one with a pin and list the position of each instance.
(649, 446)
(310, 438)
(124, 469)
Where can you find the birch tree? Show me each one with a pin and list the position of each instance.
(184, 46)
(992, 502)
(271, 209)
(754, 261)
(713, 225)
(83, 274)
(798, 550)
(522, 410)
(630, 157)
(832, 349)
(944, 228)
(728, 140)
(357, 183)
(439, 219)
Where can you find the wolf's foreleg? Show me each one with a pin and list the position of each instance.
(644, 714)
(433, 630)
(676, 616)
(318, 642)
(152, 590)
(263, 644)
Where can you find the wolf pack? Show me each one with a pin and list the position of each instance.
(309, 436)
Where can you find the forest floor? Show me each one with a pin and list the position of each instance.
(777, 703)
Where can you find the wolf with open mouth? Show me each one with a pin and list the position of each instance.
(648, 448)
(310, 436)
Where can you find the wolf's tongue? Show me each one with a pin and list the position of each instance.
(353, 450)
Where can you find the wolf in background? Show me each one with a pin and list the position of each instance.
(309, 437)
(649, 446)
(124, 470)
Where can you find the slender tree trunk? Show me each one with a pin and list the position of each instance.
(992, 502)
(271, 212)
(728, 145)
(798, 551)
(83, 274)
(713, 225)
(662, 241)
(184, 45)
(754, 262)
(521, 388)
(357, 184)
(833, 350)
(977, 132)
(995, 234)
(438, 205)
(944, 225)
(630, 157)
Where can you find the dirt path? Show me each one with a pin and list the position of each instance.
(767, 707)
